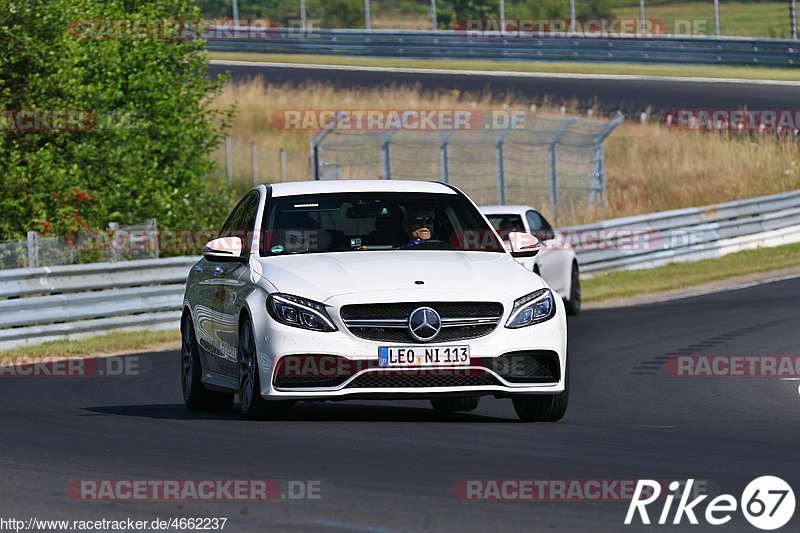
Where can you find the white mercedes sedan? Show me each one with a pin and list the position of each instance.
(336, 290)
(556, 262)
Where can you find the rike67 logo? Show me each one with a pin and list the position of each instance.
(767, 503)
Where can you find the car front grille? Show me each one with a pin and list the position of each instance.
(422, 378)
(533, 366)
(389, 322)
(320, 371)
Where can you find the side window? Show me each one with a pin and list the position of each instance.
(242, 220)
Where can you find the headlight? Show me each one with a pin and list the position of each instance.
(531, 309)
(299, 312)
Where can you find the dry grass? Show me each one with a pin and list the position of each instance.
(649, 168)
(653, 168)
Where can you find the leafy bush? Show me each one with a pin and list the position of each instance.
(146, 129)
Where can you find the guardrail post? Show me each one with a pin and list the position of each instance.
(156, 248)
(114, 228)
(33, 249)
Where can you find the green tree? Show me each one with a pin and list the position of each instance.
(145, 130)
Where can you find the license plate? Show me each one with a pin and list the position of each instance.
(400, 356)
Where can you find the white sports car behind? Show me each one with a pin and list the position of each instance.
(332, 290)
(556, 262)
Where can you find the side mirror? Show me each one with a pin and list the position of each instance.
(546, 235)
(523, 244)
(224, 250)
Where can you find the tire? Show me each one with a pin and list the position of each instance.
(195, 395)
(451, 405)
(253, 405)
(573, 304)
(544, 408)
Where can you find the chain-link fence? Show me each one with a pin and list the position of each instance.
(555, 163)
(119, 243)
(753, 18)
(243, 164)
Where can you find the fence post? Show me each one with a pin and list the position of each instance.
(501, 174)
(254, 157)
(600, 157)
(597, 187)
(433, 15)
(501, 164)
(444, 159)
(386, 160)
(386, 154)
(229, 159)
(367, 16)
(33, 249)
(551, 162)
(793, 17)
(282, 156)
(114, 227)
(317, 140)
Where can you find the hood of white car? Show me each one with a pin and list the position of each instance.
(460, 275)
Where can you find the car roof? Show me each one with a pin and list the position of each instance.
(506, 209)
(334, 186)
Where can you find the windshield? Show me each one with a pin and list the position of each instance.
(505, 224)
(375, 221)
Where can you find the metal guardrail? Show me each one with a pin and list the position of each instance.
(41, 304)
(519, 47)
(688, 234)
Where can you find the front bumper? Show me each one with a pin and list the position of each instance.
(485, 375)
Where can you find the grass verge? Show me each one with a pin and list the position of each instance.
(107, 344)
(633, 69)
(675, 276)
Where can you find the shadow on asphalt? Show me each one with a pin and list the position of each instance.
(327, 412)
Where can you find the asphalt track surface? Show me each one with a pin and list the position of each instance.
(392, 466)
(627, 95)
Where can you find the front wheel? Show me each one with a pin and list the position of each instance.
(253, 405)
(542, 408)
(195, 395)
(573, 304)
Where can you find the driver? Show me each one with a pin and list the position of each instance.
(417, 224)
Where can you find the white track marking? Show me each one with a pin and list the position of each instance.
(503, 73)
